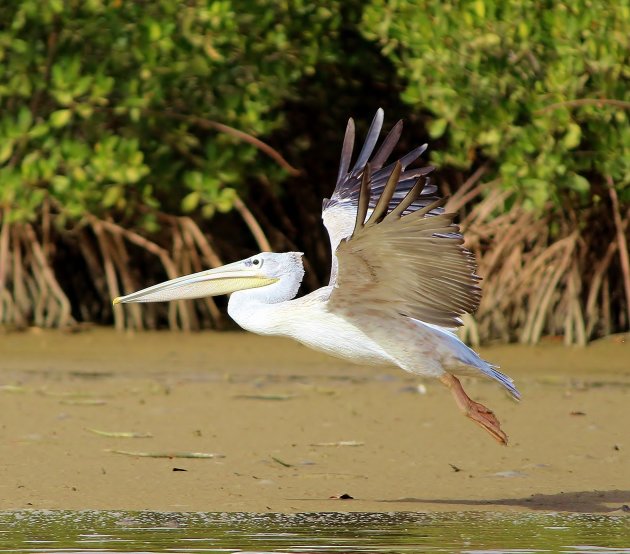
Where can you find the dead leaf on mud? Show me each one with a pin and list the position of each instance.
(120, 434)
(338, 443)
(68, 394)
(279, 461)
(509, 474)
(265, 396)
(12, 388)
(202, 455)
(84, 402)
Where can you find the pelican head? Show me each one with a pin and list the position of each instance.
(277, 272)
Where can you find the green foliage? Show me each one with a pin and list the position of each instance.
(498, 80)
(94, 99)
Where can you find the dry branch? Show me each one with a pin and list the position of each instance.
(110, 272)
(623, 244)
(65, 317)
(204, 123)
(203, 244)
(456, 201)
(188, 228)
(252, 224)
(4, 256)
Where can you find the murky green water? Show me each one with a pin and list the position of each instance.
(48, 531)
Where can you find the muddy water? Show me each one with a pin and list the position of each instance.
(237, 423)
(363, 532)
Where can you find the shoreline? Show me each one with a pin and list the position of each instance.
(296, 428)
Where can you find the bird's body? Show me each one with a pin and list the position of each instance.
(307, 320)
(400, 279)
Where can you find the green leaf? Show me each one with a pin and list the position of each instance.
(60, 118)
(225, 201)
(208, 211)
(60, 184)
(580, 184)
(39, 130)
(573, 136)
(190, 202)
(6, 149)
(193, 180)
(437, 127)
(111, 196)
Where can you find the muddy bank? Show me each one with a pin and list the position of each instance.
(294, 428)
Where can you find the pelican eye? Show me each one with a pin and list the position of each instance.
(257, 262)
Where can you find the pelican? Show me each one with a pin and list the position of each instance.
(399, 283)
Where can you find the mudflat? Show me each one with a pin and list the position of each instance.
(104, 420)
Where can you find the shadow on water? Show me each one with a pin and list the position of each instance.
(582, 501)
(87, 531)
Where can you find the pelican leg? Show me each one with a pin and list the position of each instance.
(482, 416)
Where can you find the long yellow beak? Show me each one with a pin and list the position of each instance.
(212, 282)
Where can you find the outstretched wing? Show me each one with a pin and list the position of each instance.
(405, 262)
(339, 212)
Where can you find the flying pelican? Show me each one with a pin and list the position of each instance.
(400, 278)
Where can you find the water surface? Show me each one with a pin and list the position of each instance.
(89, 531)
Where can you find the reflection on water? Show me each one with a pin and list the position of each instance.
(87, 531)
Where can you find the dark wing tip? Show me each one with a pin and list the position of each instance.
(390, 142)
(346, 151)
(370, 140)
(350, 175)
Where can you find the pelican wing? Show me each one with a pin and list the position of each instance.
(339, 212)
(398, 261)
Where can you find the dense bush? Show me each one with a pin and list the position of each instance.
(540, 89)
(101, 101)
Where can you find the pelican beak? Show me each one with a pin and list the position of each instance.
(212, 282)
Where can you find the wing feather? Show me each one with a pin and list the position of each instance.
(386, 149)
(370, 141)
(339, 212)
(405, 262)
(380, 210)
(346, 150)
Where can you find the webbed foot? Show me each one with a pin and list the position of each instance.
(482, 416)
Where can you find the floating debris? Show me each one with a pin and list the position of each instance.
(84, 402)
(577, 413)
(508, 474)
(67, 394)
(278, 460)
(12, 388)
(202, 455)
(265, 396)
(120, 434)
(455, 468)
(179, 469)
(339, 443)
